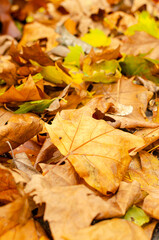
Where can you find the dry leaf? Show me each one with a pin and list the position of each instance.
(86, 142)
(30, 231)
(141, 42)
(145, 170)
(127, 93)
(110, 229)
(60, 175)
(149, 228)
(70, 208)
(46, 152)
(131, 123)
(8, 188)
(18, 129)
(29, 91)
(5, 43)
(35, 31)
(23, 163)
(8, 70)
(13, 214)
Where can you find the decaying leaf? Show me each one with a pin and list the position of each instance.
(87, 144)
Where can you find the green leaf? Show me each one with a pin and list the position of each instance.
(104, 72)
(34, 106)
(96, 38)
(139, 66)
(137, 215)
(145, 23)
(73, 57)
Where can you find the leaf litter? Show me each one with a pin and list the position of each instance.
(79, 118)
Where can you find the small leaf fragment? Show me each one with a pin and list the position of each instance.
(137, 215)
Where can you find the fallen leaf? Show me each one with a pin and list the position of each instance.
(145, 23)
(85, 204)
(17, 130)
(127, 93)
(141, 43)
(26, 92)
(151, 205)
(136, 215)
(110, 229)
(13, 214)
(127, 122)
(8, 71)
(46, 151)
(84, 133)
(35, 31)
(101, 38)
(33, 229)
(60, 175)
(8, 189)
(105, 54)
(8, 25)
(23, 163)
(5, 43)
(149, 229)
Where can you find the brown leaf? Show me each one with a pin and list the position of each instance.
(110, 229)
(105, 54)
(29, 91)
(8, 188)
(13, 214)
(127, 93)
(23, 163)
(30, 231)
(127, 122)
(60, 175)
(8, 25)
(147, 170)
(5, 43)
(71, 208)
(8, 70)
(46, 152)
(17, 129)
(141, 42)
(86, 142)
(151, 205)
(35, 31)
(35, 53)
(149, 228)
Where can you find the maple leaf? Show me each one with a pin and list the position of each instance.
(87, 144)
